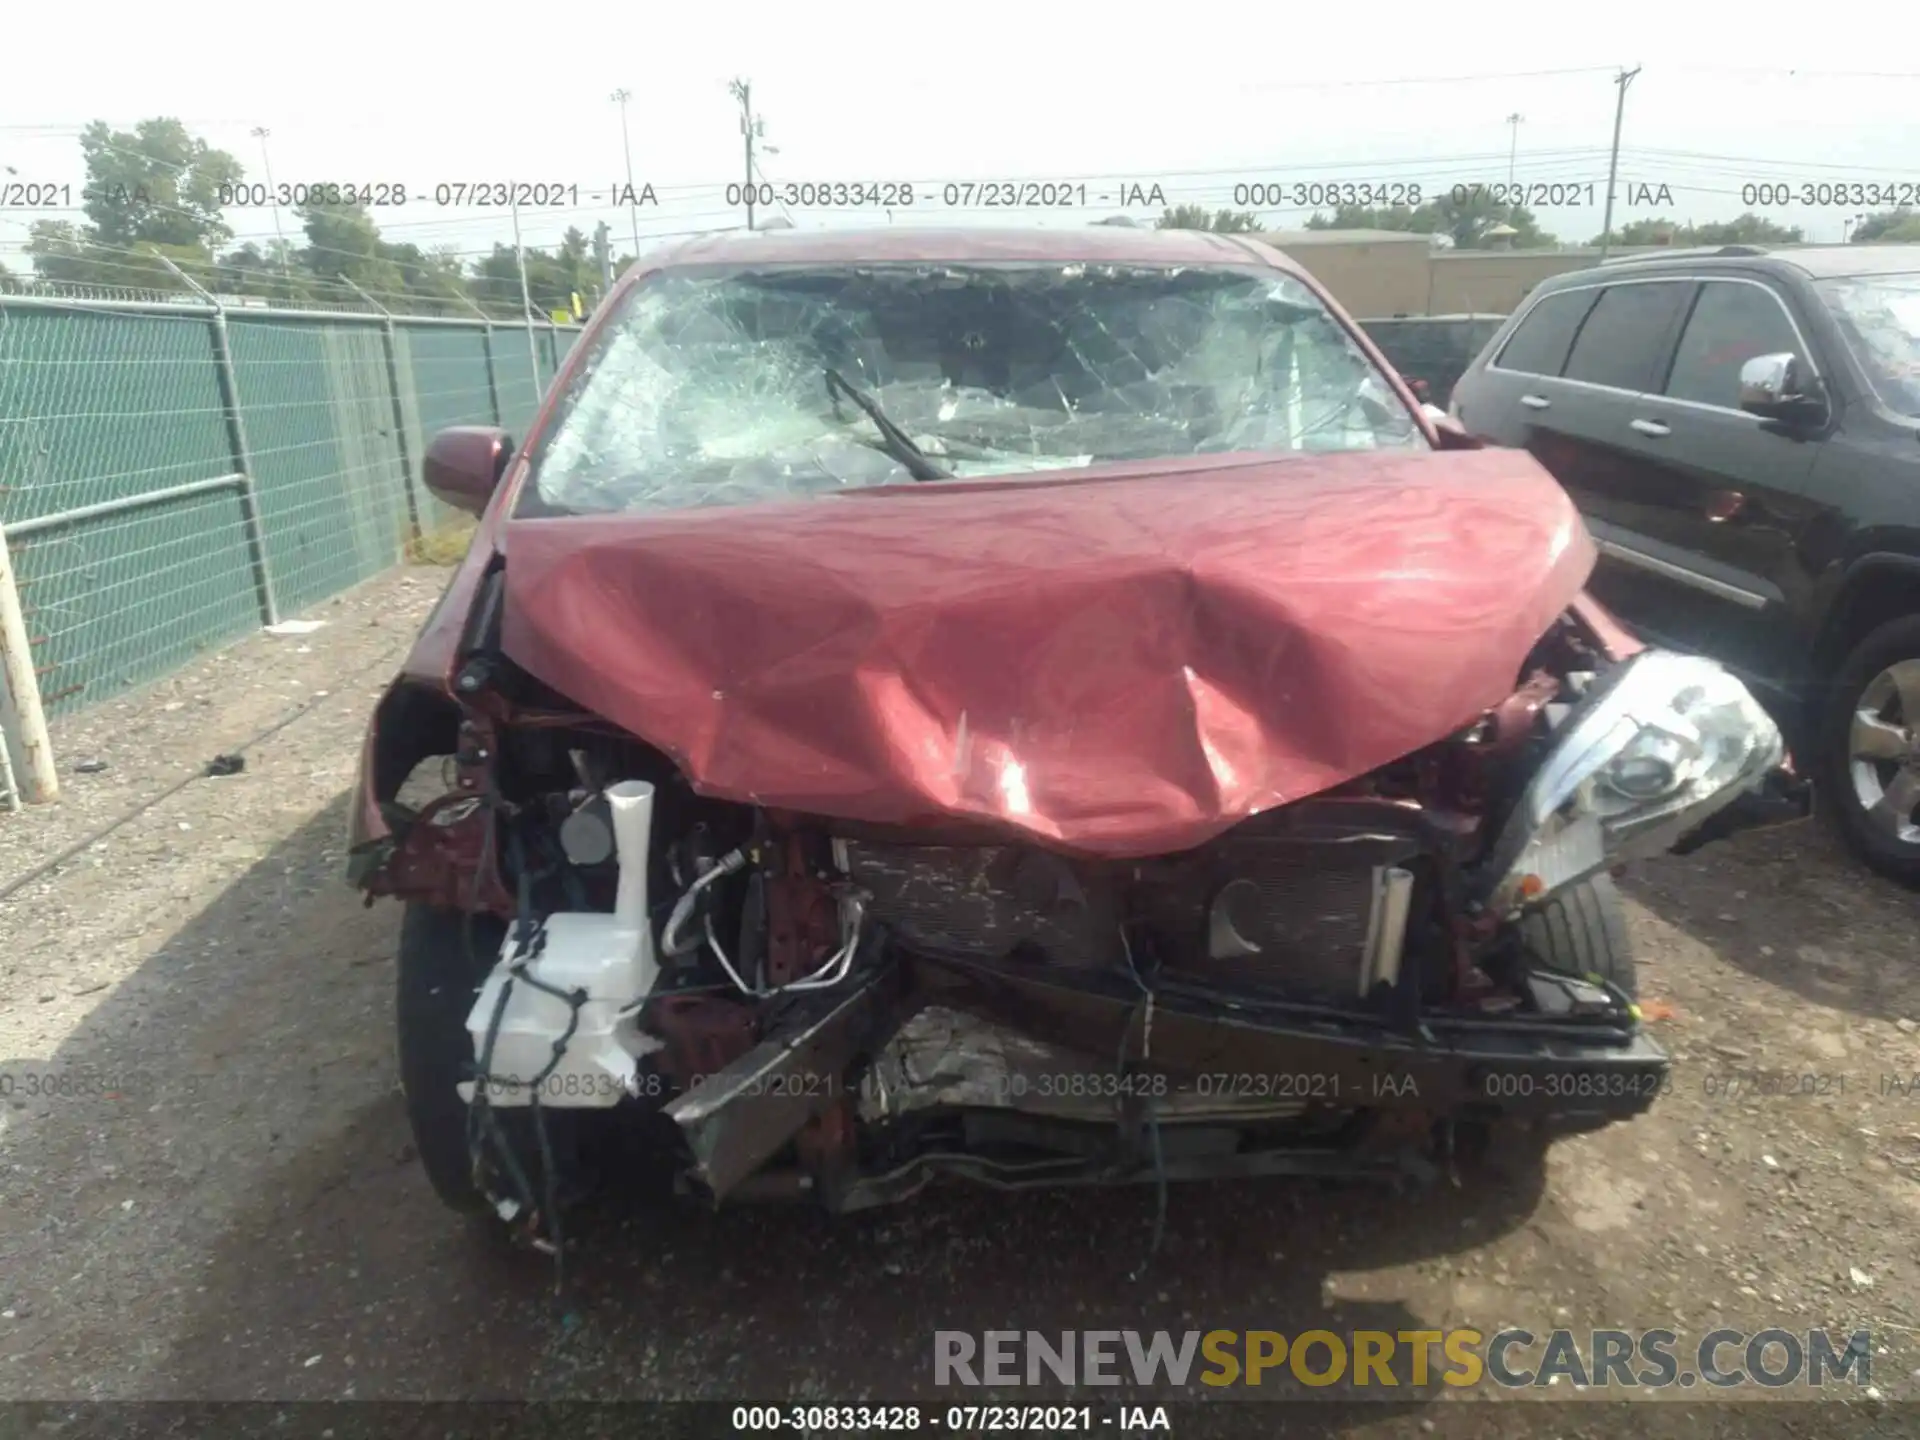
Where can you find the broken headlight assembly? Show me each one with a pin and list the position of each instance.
(1645, 757)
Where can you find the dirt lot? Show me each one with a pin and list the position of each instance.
(242, 1217)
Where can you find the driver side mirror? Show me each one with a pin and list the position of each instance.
(464, 463)
(1777, 387)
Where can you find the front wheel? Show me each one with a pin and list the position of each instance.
(1579, 930)
(445, 957)
(1582, 930)
(442, 965)
(1870, 749)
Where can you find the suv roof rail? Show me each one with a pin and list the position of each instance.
(1693, 253)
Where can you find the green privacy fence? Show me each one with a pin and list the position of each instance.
(174, 474)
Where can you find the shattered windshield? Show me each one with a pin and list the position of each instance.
(719, 389)
(1880, 317)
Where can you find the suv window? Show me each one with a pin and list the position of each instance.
(1731, 323)
(1539, 346)
(1625, 332)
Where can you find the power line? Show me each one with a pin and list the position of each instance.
(1484, 75)
(1797, 72)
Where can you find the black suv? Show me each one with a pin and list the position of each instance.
(1741, 429)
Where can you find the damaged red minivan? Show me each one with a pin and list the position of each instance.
(1041, 707)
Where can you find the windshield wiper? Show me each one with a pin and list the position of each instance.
(899, 444)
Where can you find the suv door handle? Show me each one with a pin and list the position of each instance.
(1651, 427)
(1535, 402)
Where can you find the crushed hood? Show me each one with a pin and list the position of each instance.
(1122, 665)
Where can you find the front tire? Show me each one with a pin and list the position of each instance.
(1870, 749)
(439, 977)
(1582, 930)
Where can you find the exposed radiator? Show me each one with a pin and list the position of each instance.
(988, 900)
(1279, 914)
(1289, 916)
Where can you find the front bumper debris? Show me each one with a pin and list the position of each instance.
(739, 1118)
(1323, 1093)
(1578, 1070)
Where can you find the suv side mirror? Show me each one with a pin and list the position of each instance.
(1772, 385)
(464, 463)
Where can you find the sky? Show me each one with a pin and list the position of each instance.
(1194, 100)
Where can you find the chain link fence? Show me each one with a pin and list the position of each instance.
(175, 471)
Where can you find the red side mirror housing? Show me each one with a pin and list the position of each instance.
(464, 463)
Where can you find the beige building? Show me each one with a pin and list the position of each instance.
(1375, 274)
(1370, 272)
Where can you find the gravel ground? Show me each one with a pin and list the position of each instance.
(242, 1218)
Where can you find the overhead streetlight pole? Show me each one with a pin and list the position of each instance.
(1513, 147)
(526, 297)
(1622, 80)
(620, 97)
(260, 133)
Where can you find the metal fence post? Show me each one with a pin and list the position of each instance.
(486, 339)
(399, 409)
(242, 454)
(22, 721)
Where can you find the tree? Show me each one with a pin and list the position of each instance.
(553, 279)
(1660, 231)
(343, 242)
(1465, 218)
(1899, 226)
(1363, 217)
(155, 184)
(61, 252)
(433, 278)
(275, 273)
(151, 192)
(1466, 214)
(1195, 217)
(1748, 229)
(153, 196)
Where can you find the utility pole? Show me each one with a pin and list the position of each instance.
(526, 298)
(1622, 80)
(621, 96)
(603, 253)
(260, 133)
(1513, 148)
(752, 128)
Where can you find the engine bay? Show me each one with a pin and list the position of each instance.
(845, 1009)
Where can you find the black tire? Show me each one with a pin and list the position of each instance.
(1582, 930)
(438, 981)
(1882, 648)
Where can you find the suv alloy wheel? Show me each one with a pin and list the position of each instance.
(1870, 741)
